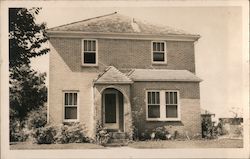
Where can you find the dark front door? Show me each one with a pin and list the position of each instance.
(111, 112)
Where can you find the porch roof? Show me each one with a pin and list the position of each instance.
(112, 76)
(163, 75)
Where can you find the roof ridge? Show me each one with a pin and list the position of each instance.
(100, 16)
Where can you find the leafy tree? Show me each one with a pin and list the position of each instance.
(26, 38)
(27, 92)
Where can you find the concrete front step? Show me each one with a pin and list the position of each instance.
(117, 135)
(117, 139)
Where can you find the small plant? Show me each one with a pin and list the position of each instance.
(45, 135)
(71, 133)
(102, 135)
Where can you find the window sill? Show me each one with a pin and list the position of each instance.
(159, 63)
(70, 120)
(89, 65)
(166, 119)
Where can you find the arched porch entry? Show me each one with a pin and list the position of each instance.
(112, 107)
(113, 110)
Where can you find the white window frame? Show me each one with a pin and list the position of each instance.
(77, 106)
(163, 106)
(96, 53)
(165, 53)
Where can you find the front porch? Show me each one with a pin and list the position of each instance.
(112, 103)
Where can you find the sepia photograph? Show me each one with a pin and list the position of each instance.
(124, 80)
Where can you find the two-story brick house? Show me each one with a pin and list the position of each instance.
(107, 68)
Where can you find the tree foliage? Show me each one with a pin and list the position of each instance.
(26, 38)
(27, 92)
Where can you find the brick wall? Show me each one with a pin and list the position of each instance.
(61, 78)
(66, 73)
(126, 54)
(189, 106)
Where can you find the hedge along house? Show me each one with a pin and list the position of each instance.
(117, 70)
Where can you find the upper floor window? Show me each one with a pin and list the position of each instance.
(89, 56)
(159, 52)
(163, 105)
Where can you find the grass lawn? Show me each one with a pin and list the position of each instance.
(27, 145)
(221, 143)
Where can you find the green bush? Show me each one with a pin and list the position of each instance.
(37, 118)
(45, 135)
(102, 135)
(72, 133)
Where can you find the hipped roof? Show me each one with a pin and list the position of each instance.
(117, 23)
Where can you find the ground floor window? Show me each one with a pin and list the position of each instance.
(70, 106)
(163, 105)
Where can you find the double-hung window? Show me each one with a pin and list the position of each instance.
(89, 55)
(163, 105)
(71, 106)
(159, 54)
(154, 104)
(171, 104)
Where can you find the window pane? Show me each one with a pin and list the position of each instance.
(70, 99)
(154, 111)
(89, 45)
(89, 58)
(167, 94)
(171, 98)
(171, 111)
(75, 99)
(85, 45)
(175, 97)
(158, 47)
(66, 102)
(157, 100)
(154, 46)
(149, 98)
(70, 113)
(93, 47)
(162, 47)
(153, 97)
(158, 56)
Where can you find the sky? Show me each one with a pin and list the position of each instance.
(218, 53)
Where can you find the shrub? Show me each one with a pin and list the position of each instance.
(146, 135)
(161, 133)
(45, 135)
(209, 131)
(72, 133)
(37, 118)
(17, 132)
(102, 135)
